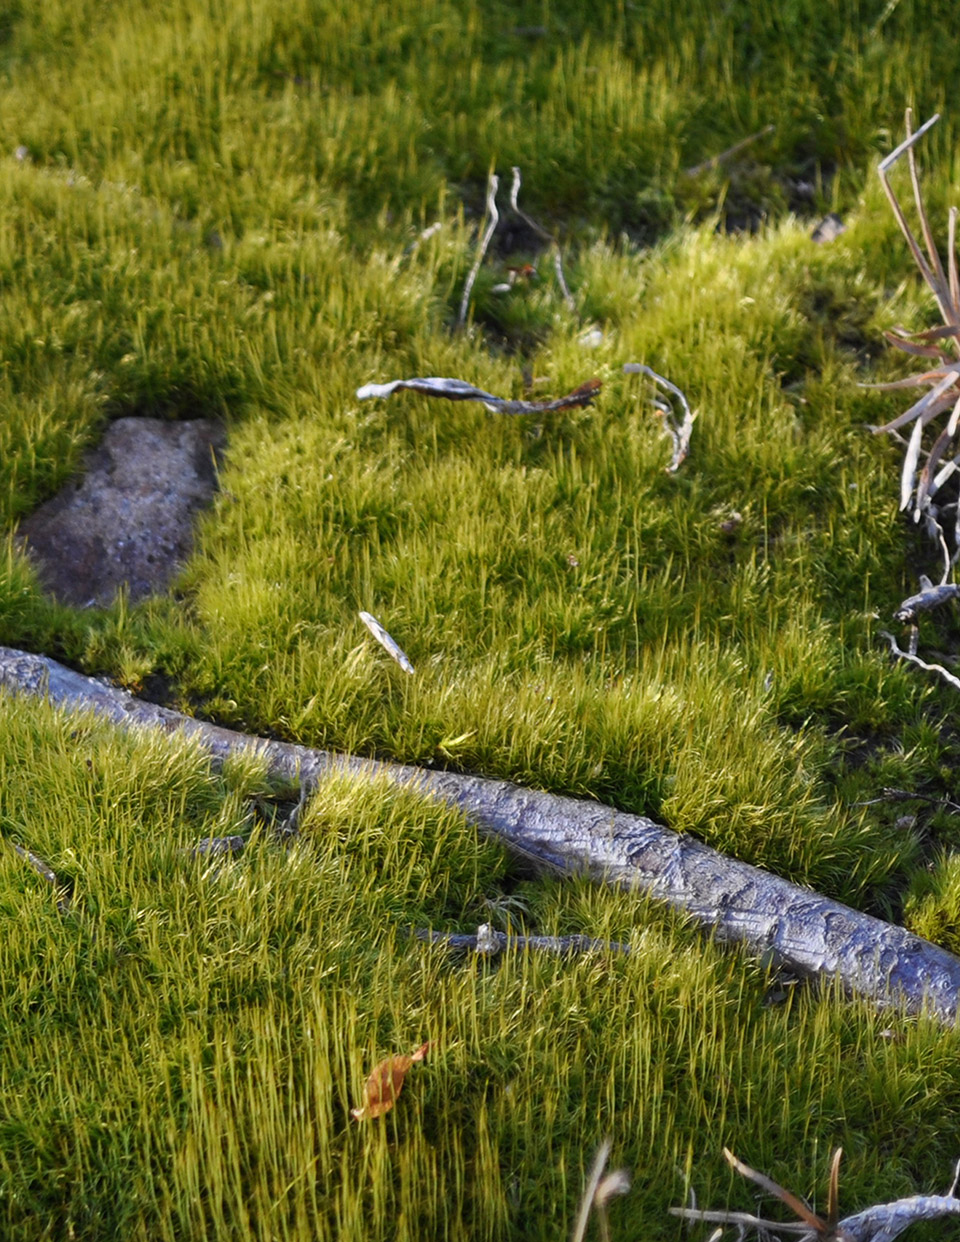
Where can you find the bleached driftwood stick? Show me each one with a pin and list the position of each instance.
(679, 435)
(489, 942)
(811, 934)
(452, 389)
(387, 641)
(492, 187)
(913, 658)
(927, 598)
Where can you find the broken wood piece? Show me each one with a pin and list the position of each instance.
(928, 597)
(829, 229)
(390, 646)
(488, 942)
(460, 390)
(810, 934)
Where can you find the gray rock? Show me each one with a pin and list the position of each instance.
(128, 517)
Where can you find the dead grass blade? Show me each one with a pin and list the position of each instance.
(942, 380)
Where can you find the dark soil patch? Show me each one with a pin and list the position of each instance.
(127, 519)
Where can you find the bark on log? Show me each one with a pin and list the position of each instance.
(811, 934)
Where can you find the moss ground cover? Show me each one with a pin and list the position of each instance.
(216, 209)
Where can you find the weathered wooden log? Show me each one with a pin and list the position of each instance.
(810, 934)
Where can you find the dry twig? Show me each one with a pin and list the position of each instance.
(737, 147)
(679, 434)
(488, 942)
(460, 390)
(389, 644)
(598, 1192)
(542, 232)
(913, 658)
(47, 872)
(492, 186)
(883, 1222)
(929, 597)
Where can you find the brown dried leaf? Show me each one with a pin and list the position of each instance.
(911, 347)
(385, 1084)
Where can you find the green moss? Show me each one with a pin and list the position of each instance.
(220, 211)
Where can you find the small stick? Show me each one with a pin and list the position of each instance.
(738, 1218)
(492, 187)
(489, 941)
(737, 147)
(542, 232)
(915, 659)
(680, 436)
(593, 1181)
(904, 795)
(389, 644)
(44, 869)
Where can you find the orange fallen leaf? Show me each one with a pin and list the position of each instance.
(385, 1084)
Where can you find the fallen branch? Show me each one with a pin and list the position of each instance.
(492, 187)
(488, 942)
(460, 390)
(810, 934)
(883, 1222)
(679, 435)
